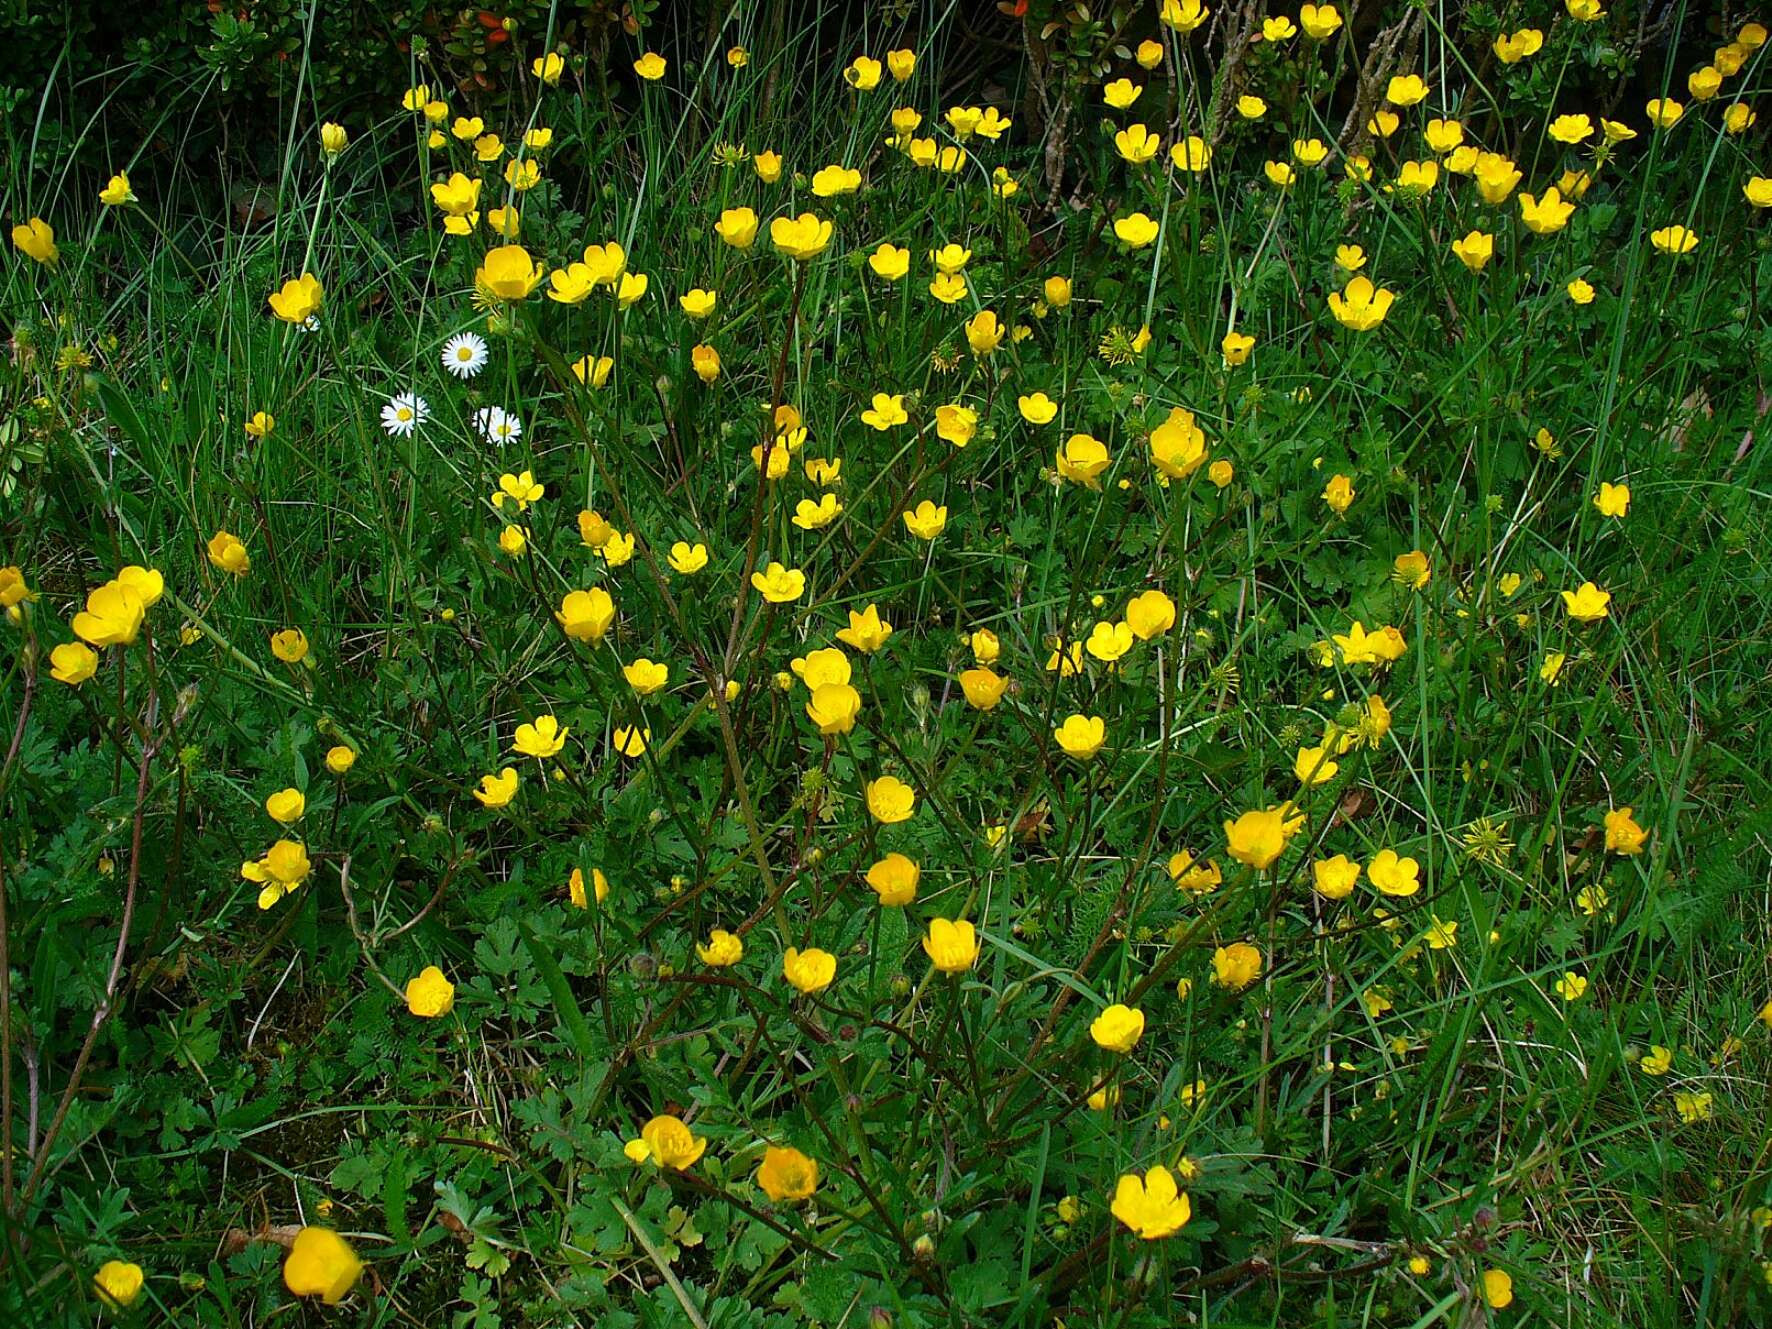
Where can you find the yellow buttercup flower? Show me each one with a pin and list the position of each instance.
(834, 708)
(1309, 151)
(810, 970)
(722, 951)
(889, 262)
(457, 196)
(926, 520)
(1121, 93)
(687, 559)
(430, 994)
(894, 879)
(786, 1175)
(1411, 569)
(1674, 240)
(802, 237)
(113, 614)
(1081, 736)
(948, 287)
(1498, 1287)
(1118, 1028)
(984, 332)
(1495, 177)
(631, 289)
(1443, 136)
(1081, 459)
(118, 1283)
(863, 73)
(1137, 145)
(228, 553)
(1137, 230)
(671, 1143)
(778, 584)
(890, 800)
(1664, 112)
(1259, 837)
(1178, 445)
(737, 227)
(1416, 179)
(956, 423)
(495, 791)
(1360, 305)
(586, 615)
(1183, 15)
(1192, 875)
(1571, 986)
(1313, 766)
(1475, 250)
(1334, 878)
(1236, 966)
(1612, 500)
(1152, 1206)
(1704, 82)
(286, 806)
(1393, 875)
(1623, 835)
(1405, 90)
(298, 300)
(1107, 642)
(1193, 154)
(1319, 21)
(117, 191)
(72, 663)
(951, 945)
(576, 890)
(886, 412)
(1587, 603)
(540, 738)
(830, 181)
(983, 688)
(321, 1264)
(35, 239)
(508, 273)
(1511, 48)
(1150, 614)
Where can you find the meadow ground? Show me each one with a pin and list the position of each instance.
(1093, 667)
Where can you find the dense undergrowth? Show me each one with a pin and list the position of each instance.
(776, 690)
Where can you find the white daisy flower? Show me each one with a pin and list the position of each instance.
(405, 413)
(464, 354)
(497, 425)
(312, 323)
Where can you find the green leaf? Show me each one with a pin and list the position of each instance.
(572, 1020)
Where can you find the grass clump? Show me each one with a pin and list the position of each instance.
(784, 686)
